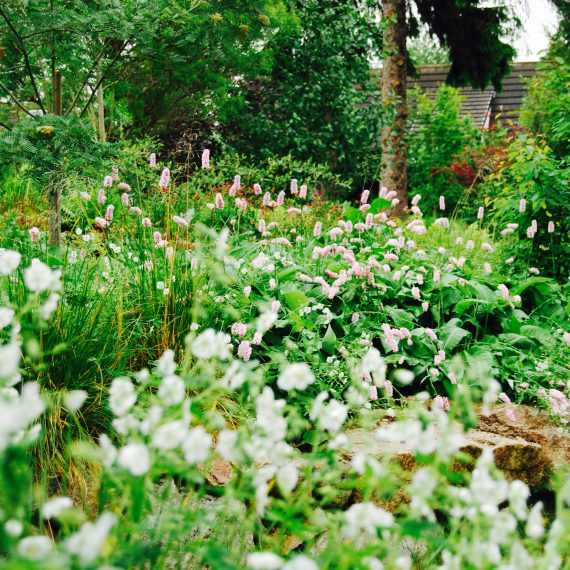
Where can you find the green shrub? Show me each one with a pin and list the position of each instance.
(440, 138)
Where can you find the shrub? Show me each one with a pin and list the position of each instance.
(441, 144)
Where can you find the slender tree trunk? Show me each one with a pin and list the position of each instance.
(101, 114)
(54, 207)
(393, 91)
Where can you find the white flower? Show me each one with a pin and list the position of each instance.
(209, 344)
(197, 445)
(373, 363)
(301, 562)
(55, 506)
(122, 396)
(35, 547)
(108, 449)
(295, 377)
(135, 457)
(518, 495)
(227, 441)
(172, 390)
(88, 542)
(6, 317)
(372, 563)
(264, 561)
(287, 477)
(9, 261)
(166, 365)
(265, 321)
(74, 400)
(9, 359)
(39, 277)
(535, 523)
(263, 261)
(330, 417)
(49, 307)
(169, 435)
(366, 517)
(13, 528)
(234, 377)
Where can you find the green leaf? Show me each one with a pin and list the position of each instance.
(296, 300)
(537, 333)
(353, 214)
(329, 341)
(379, 204)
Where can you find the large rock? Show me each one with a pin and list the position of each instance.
(529, 449)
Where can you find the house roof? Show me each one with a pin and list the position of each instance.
(484, 105)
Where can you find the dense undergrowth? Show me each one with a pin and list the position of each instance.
(291, 316)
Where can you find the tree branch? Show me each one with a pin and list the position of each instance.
(8, 128)
(86, 80)
(102, 76)
(15, 99)
(26, 58)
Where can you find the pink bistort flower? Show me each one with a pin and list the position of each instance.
(108, 181)
(244, 350)
(206, 158)
(180, 221)
(152, 160)
(34, 234)
(124, 199)
(164, 179)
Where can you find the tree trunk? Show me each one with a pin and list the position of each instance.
(54, 206)
(393, 91)
(101, 109)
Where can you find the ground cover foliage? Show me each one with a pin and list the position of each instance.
(221, 320)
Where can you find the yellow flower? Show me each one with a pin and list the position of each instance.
(217, 18)
(244, 28)
(264, 19)
(46, 129)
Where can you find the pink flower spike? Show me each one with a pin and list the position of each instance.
(534, 271)
(303, 192)
(258, 191)
(206, 158)
(146, 222)
(281, 198)
(124, 186)
(522, 206)
(275, 306)
(504, 291)
(101, 222)
(550, 227)
(317, 229)
(180, 221)
(257, 338)
(85, 196)
(364, 197)
(164, 179)
(34, 234)
(125, 199)
(136, 210)
(480, 213)
(109, 212)
(247, 290)
(355, 318)
(152, 160)
(244, 350)
(442, 203)
(219, 201)
(266, 197)
(108, 181)
(294, 186)
(101, 197)
(169, 252)
(504, 398)
(115, 173)
(416, 199)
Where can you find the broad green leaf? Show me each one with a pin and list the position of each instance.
(329, 341)
(296, 300)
